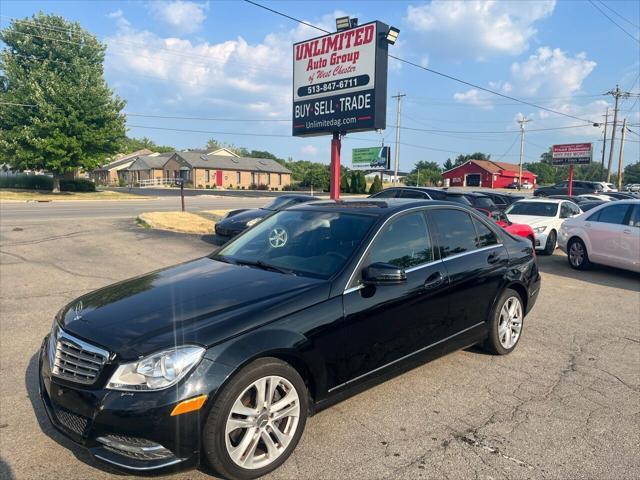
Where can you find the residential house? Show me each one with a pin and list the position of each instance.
(108, 174)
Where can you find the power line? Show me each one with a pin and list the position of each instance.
(614, 22)
(618, 14)
(444, 75)
(245, 134)
(177, 117)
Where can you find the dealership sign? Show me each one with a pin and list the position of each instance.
(572, 153)
(340, 81)
(374, 158)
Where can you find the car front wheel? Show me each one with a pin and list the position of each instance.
(257, 420)
(577, 254)
(506, 323)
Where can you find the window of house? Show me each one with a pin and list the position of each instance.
(207, 176)
(404, 243)
(238, 180)
(279, 179)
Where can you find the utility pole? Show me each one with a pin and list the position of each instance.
(604, 137)
(398, 97)
(617, 94)
(522, 122)
(621, 156)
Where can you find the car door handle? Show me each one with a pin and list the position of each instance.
(435, 280)
(493, 257)
(627, 231)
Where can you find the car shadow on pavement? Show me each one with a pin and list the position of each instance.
(5, 470)
(33, 391)
(557, 264)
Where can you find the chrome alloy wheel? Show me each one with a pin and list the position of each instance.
(576, 254)
(262, 422)
(510, 322)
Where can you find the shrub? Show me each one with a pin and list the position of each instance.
(253, 186)
(122, 182)
(200, 185)
(262, 186)
(376, 186)
(31, 182)
(77, 185)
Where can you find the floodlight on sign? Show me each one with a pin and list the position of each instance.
(343, 23)
(392, 35)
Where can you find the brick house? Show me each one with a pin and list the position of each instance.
(108, 174)
(147, 167)
(486, 173)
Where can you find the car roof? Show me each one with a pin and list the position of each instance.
(543, 200)
(370, 206)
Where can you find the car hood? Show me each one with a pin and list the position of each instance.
(201, 302)
(531, 220)
(241, 219)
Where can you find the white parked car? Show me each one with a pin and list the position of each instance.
(597, 197)
(545, 217)
(609, 235)
(607, 187)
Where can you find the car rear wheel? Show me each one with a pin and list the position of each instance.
(506, 324)
(577, 254)
(257, 420)
(550, 246)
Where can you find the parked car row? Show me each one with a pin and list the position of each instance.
(579, 187)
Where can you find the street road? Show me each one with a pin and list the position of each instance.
(21, 213)
(565, 404)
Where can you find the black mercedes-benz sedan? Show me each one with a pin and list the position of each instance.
(237, 221)
(221, 359)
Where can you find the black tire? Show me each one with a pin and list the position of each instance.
(550, 246)
(493, 343)
(577, 255)
(213, 436)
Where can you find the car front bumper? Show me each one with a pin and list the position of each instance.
(541, 239)
(131, 431)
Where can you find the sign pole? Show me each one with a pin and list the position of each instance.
(335, 167)
(571, 179)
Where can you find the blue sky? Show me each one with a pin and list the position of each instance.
(232, 60)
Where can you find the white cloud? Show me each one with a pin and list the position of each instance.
(549, 74)
(552, 72)
(309, 150)
(255, 77)
(477, 29)
(181, 16)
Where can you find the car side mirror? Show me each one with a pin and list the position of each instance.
(383, 274)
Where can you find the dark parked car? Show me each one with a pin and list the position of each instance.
(476, 200)
(238, 221)
(580, 187)
(572, 198)
(501, 200)
(589, 204)
(222, 358)
(409, 192)
(621, 195)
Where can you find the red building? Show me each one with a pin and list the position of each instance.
(486, 173)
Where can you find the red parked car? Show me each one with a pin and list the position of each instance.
(519, 229)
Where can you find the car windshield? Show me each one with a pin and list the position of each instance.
(307, 243)
(458, 199)
(536, 209)
(280, 203)
(484, 202)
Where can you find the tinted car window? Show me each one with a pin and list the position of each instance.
(484, 202)
(536, 209)
(437, 194)
(403, 242)
(612, 214)
(486, 237)
(458, 199)
(499, 201)
(413, 194)
(565, 212)
(573, 208)
(390, 193)
(308, 243)
(635, 218)
(456, 233)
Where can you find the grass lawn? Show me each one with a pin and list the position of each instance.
(183, 222)
(36, 195)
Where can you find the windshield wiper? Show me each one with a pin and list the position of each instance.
(223, 258)
(264, 266)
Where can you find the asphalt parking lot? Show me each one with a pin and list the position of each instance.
(564, 405)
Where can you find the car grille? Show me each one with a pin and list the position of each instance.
(75, 360)
(70, 421)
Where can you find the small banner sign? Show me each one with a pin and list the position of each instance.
(374, 158)
(571, 154)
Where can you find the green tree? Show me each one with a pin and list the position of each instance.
(73, 119)
(448, 165)
(632, 173)
(362, 182)
(354, 185)
(376, 186)
(424, 173)
(130, 145)
(460, 159)
(344, 183)
(545, 172)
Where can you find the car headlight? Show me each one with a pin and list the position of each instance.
(157, 371)
(251, 223)
(539, 229)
